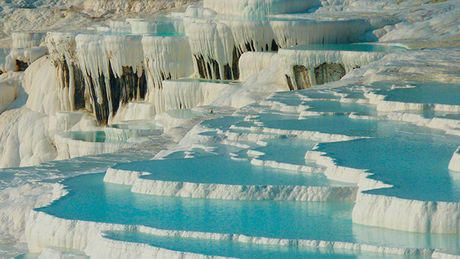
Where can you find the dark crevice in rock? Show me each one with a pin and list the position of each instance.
(21, 66)
(79, 88)
(235, 68)
(100, 107)
(216, 69)
(289, 82)
(129, 86)
(200, 65)
(275, 46)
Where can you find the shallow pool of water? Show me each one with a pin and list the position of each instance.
(340, 107)
(427, 93)
(220, 169)
(87, 136)
(231, 249)
(90, 199)
(410, 158)
(286, 150)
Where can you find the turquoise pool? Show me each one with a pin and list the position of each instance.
(427, 93)
(222, 170)
(90, 199)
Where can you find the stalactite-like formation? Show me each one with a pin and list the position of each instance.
(96, 72)
(62, 50)
(129, 60)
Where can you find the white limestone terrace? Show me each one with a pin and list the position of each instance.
(61, 103)
(239, 181)
(234, 35)
(88, 236)
(83, 63)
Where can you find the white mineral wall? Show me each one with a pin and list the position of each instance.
(25, 48)
(252, 35)
(44, 230)
(17, 125)
(407, 215)
(135, 111)
(228, 192)
(303, 32)
(165, 58)
(17, 202)
(253, 8)
(69, 148)
(252, 63)
(128, 250)
(312, 59)
(213, 43)
(124, 51)
(189, 94)
(43, 94)
(9, 91)
(62, 52)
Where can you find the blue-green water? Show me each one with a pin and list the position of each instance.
(90, 199)
(231, 249)
(412, 158)
(87, 136)
(339, 107)
(222, 170)
(286, 150)
(327, 124)
(428, 93)
(411, 161)
(222, 123)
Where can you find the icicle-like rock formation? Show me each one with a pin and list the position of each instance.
(102, 72)
(217, 42)
(213, 49)
(112, 70)
(165, 58)
(62, 52)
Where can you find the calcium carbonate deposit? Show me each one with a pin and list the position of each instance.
(230, 129)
